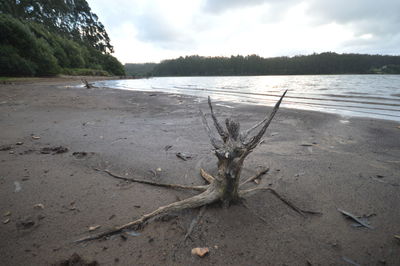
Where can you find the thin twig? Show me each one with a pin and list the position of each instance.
(195, 221)
(197, 188)
(216, 144)
(253, 142)
(349, 215)
(259, 174)
(209, 178)
(253, 212)
(207, 197)
(276, 194)
(217, 125)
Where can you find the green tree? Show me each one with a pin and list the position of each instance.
(71, 18)
(38, 42)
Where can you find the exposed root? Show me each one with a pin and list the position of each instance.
(253, 212)
(214, 141)
(231, 148)
(254, 177)
(302, 212)
(176, 186)
(209, 178)
(87, 85)
(195, 221)
(205, 198)
(217, 125)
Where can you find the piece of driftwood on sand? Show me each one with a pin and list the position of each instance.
(231, 148)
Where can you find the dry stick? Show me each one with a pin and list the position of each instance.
(214, 191)
(247, 132)
(197, 188)
(276, 194)
(195, 221)
(217, 125)
(87, 84)
(253, 142)
(216, 144)
(209, 178)
(259, 174)
(207, 197)
(253, 212)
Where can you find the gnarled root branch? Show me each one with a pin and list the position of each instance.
(195, 221)
(209, 196)
(302, 212)
(176, 186)
(231, 150)
(254, 177)
(253, 212)
(206, 176)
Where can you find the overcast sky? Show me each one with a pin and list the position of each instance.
(153, 30)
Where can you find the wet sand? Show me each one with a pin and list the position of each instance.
(50, 197)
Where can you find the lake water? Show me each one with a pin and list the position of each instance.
(375, 96)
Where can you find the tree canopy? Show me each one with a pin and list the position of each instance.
(39, 37)
(324, 63)
(71, 18)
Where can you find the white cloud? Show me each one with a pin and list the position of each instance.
(153, 30)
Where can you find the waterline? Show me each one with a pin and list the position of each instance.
(374, 96)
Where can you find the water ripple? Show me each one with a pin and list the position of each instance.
(376, 96)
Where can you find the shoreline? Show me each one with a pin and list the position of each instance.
(316, 160)
(347, 103)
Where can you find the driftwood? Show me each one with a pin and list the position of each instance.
(231, 148)
(87, 85)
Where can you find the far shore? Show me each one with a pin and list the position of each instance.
(320, 161)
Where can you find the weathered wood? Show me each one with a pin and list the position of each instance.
(207, 197)
(209, 178)
(87, 84)
(254, 141)
(254, 177)
(195, 221)
(217, 125)
(129, 179)
(252, 191)
(216, 143)
(266, 120)
(231, 151)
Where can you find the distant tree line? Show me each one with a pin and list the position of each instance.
(42, 38)
(324, 63)
(140, 70)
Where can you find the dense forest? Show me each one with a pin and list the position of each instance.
(140, 70)
(44, 38)
(324, 63)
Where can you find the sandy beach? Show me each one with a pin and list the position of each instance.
(54, 134)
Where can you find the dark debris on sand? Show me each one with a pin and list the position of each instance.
(76, 260)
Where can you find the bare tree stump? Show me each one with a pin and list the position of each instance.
(87, 85)
(231, 149)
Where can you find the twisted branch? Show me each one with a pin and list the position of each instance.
(246, 192)
(216, 143)
(221, 131)
(253, 142)
(205, 198)
(259, 174)
(197, 188)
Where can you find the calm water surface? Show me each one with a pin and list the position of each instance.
(376, 96)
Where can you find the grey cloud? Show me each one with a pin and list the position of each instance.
(220, 6)
(364, 16)
(380, 45)
(156, 29)
(381, 19)
(344, 11)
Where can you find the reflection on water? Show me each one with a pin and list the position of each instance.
(374, 96)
